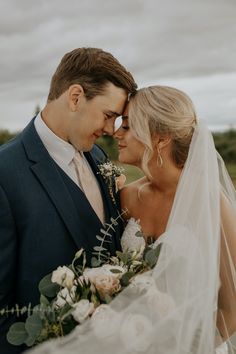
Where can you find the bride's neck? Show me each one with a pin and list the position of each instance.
(164, 179)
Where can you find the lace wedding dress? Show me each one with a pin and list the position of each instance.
(172, 309)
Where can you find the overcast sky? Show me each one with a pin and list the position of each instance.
(189, 44)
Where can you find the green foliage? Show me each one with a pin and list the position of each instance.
(17, 334)
(109, 145)
(47, 288)
(226, 145)
(151, 255)
(5, 135)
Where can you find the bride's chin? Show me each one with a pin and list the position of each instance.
(121, 160)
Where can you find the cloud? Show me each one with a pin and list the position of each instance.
(153, 39)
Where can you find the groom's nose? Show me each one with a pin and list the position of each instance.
(109, 127)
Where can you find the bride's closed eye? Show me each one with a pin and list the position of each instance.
(125, 127)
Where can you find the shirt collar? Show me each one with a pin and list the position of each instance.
(58, 149)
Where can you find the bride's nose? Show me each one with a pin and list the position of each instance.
(117, 133)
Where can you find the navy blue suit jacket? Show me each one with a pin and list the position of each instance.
(40, 227)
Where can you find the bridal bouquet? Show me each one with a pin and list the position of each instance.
(73, 293)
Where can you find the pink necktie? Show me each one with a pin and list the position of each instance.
(89, 185)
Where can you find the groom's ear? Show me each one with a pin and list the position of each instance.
(75, 93)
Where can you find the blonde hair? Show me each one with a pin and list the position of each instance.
(162, 110)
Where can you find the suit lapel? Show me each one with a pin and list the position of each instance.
(46, 171)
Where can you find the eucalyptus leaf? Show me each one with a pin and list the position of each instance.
(44, 301)
(151, 258)
(99, 248)
(114, 222)
(79, 253)
(24, 309)
(95, 262)
(106, 233)
(124, 257)
(114, 270)
(158, 250)
(17, 334)
(126, 278)
(34, 325)
(47, 288)
(100, 238)
(30, 341)
(2, 312)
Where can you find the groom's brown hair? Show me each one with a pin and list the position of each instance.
(92, 68)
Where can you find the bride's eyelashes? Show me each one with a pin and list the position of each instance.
(125, 127)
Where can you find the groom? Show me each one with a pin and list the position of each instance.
(52, 199)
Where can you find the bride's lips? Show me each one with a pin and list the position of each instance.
(120, 147)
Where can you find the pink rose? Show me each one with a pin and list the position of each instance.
(120, 182)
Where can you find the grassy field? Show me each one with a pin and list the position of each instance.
(132, 173)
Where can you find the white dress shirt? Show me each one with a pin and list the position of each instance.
(61, 151)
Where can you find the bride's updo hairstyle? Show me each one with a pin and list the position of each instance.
(165, 111)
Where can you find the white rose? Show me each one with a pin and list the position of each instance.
(105, 322)
(136, 333)
(65, 296)
(63, 276)
(82, 310)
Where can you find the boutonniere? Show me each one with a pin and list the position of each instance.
(112, 174)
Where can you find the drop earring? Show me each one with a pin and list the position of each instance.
(159, 158)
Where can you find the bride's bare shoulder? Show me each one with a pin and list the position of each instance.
(130, 188)
(129, 194)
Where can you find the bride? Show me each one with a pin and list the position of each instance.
(187, 203)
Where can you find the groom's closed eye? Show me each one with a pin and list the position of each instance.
(111, 114)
